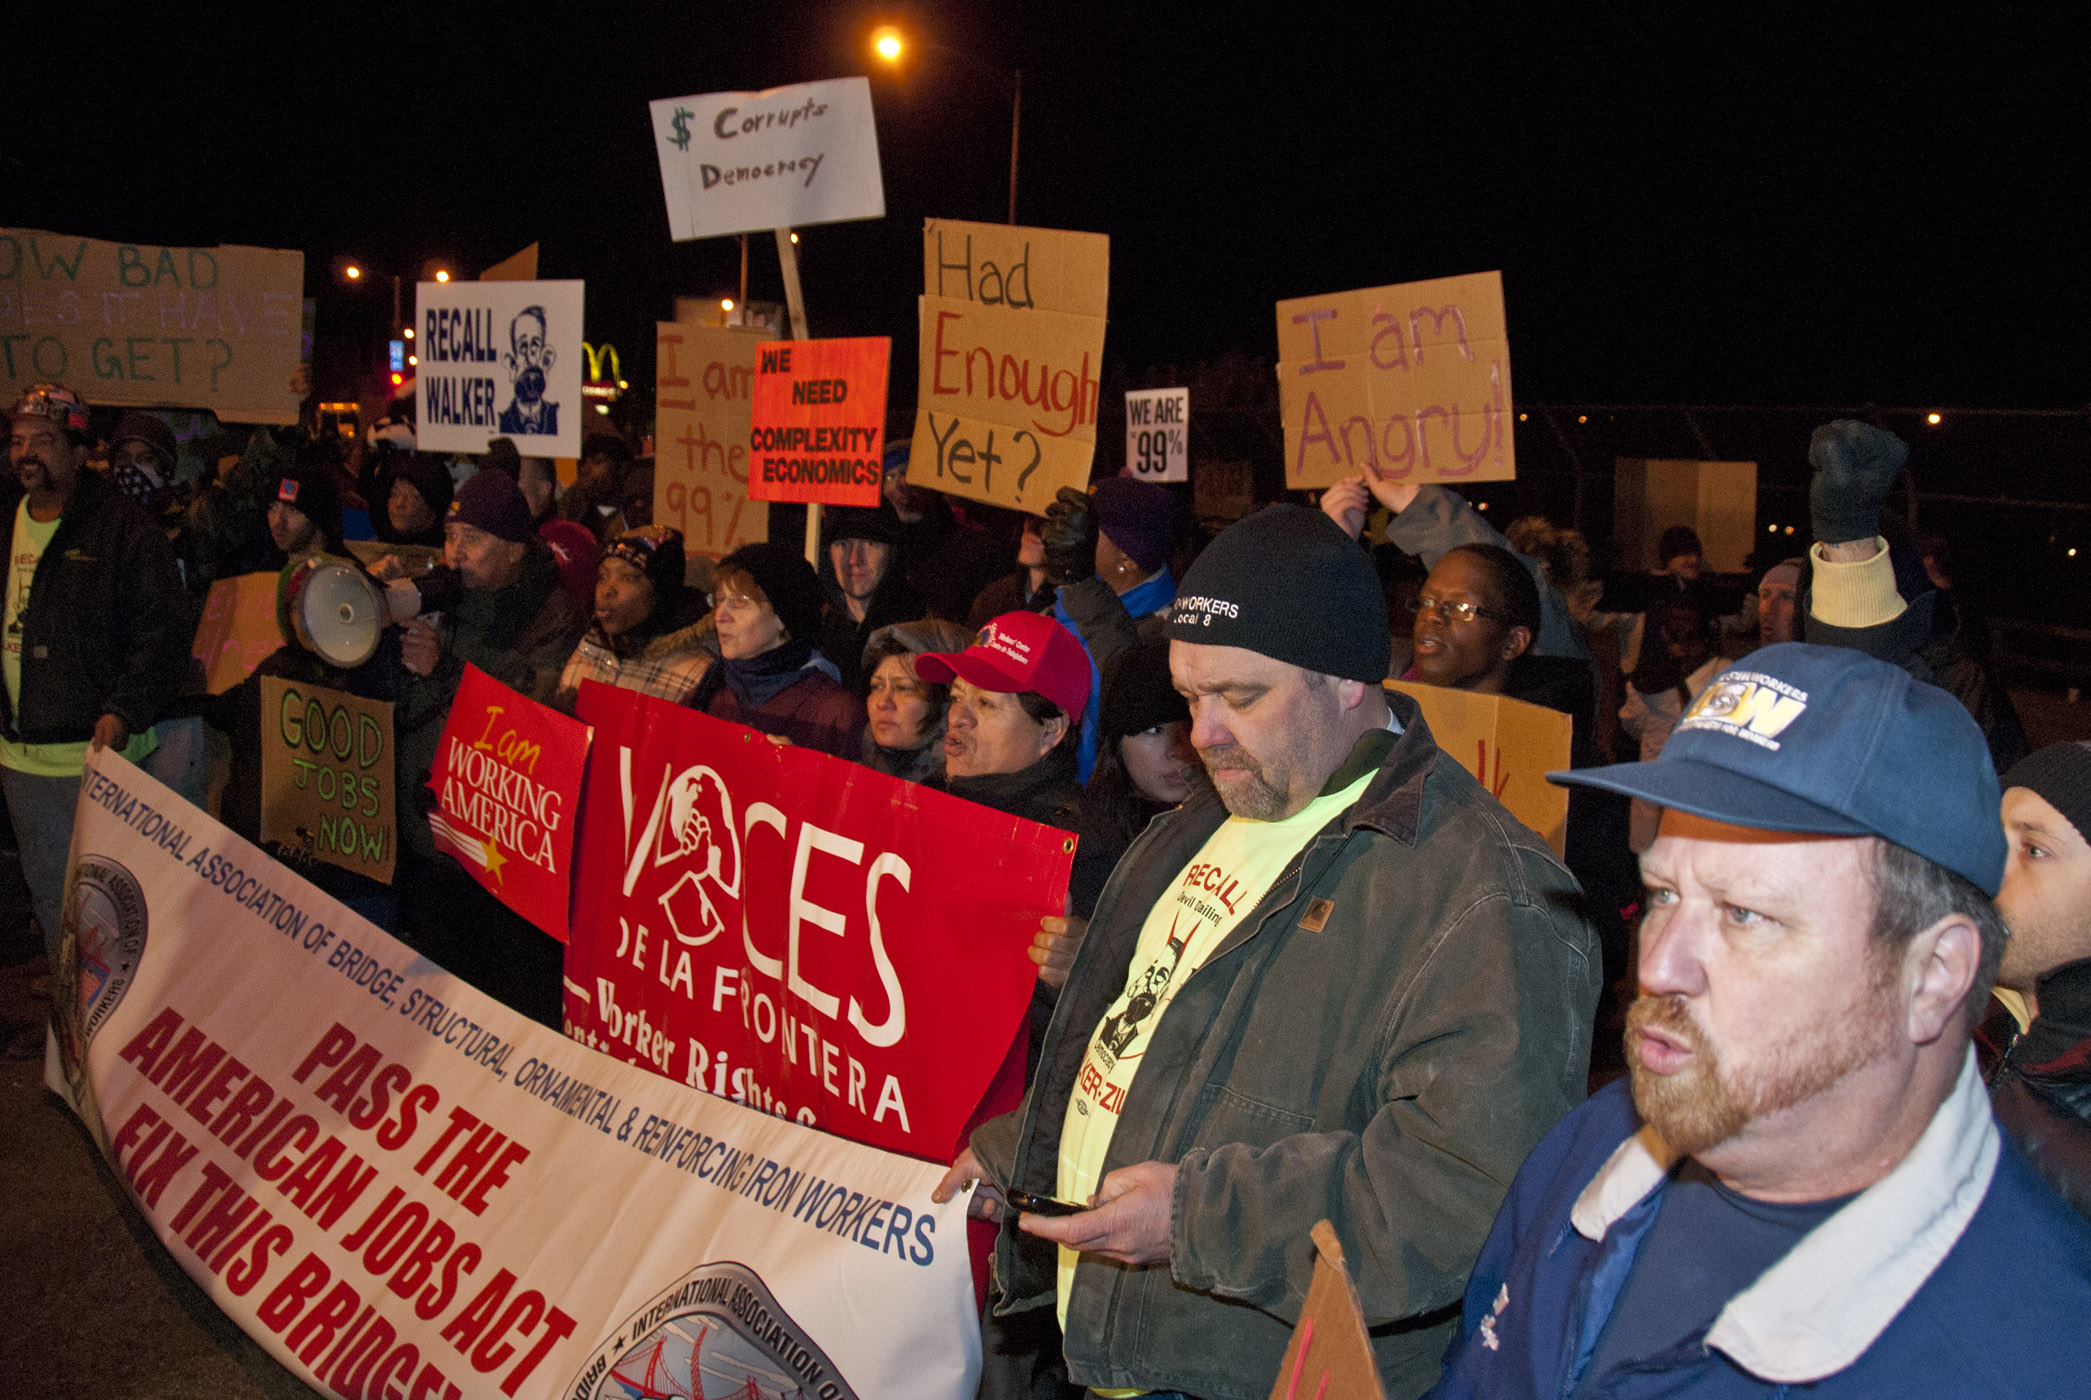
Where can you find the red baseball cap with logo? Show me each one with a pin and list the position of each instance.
(1018, 651)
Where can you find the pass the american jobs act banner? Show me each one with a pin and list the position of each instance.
(401, 1188)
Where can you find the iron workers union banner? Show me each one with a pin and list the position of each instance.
(507, 777)
(802, 934)
(399, 1187)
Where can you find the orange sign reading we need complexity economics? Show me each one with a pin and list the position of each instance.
(818, 422)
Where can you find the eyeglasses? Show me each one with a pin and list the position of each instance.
(720, 602)
(1450, 612)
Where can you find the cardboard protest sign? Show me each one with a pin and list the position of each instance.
(1158, 434)
(735, 162)
(507, 782)
(818, 420)
(326, 776)
(1510, 746)
(516, 267)
(704, 380)
(149, 326)
(1330, 1355)
(398, 1186)
(1012, 347)
(499, 359)
(817, 939)
(1411, 382)
(1717, 499)
(238, 630)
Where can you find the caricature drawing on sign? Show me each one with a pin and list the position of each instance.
(528, 358)
(700, 826)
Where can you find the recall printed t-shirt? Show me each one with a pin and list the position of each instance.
(31, 536)
(1224, 881)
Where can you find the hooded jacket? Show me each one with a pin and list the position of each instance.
(108, 625)
(1378, 1043)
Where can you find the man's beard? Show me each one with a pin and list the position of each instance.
(530, 385)
(1249, 792)
(1701, 1106)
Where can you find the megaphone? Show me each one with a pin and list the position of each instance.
(331, 608)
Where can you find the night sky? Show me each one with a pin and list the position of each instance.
(1772, 207)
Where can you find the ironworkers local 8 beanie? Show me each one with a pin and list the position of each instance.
(1289, 584)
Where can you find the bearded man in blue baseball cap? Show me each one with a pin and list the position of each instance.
(1801, 1185)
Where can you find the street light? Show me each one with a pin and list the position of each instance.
(442, 275)
(888, 43)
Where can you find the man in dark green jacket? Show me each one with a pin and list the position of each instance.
(1350, 988)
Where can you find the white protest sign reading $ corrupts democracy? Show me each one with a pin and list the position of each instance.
(736, 162)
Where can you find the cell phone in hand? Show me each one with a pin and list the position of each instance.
(1042, 1205)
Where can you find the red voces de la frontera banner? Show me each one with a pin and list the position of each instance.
(808, 936)
(507, 782)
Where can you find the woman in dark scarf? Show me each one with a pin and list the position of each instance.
(766, 605)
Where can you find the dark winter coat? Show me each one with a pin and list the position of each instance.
(108, 625)
(1378, 1043)
(2040, 1082)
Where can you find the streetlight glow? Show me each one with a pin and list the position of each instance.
(887, 43)
(409, 332)
(442, 275)
(726, 303)
(352, 272)
(1932, 418)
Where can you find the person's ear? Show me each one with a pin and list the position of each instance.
(546, 360)
(1051, 732)
(1939, 969)
(1516, 643)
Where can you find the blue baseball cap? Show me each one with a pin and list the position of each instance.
(1833, 742)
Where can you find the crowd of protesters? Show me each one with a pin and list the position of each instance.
(1829, 977)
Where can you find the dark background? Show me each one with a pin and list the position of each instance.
(1689, 205)
(1761, 206)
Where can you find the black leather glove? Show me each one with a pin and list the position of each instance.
(1855, 465)
(1069, 537)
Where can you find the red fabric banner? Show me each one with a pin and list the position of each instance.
(507, 776)
(813, 938)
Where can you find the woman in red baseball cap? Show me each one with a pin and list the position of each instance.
(1017, 696)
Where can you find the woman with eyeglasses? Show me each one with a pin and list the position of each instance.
(770, 677)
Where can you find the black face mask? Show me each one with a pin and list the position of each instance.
(530, 384)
